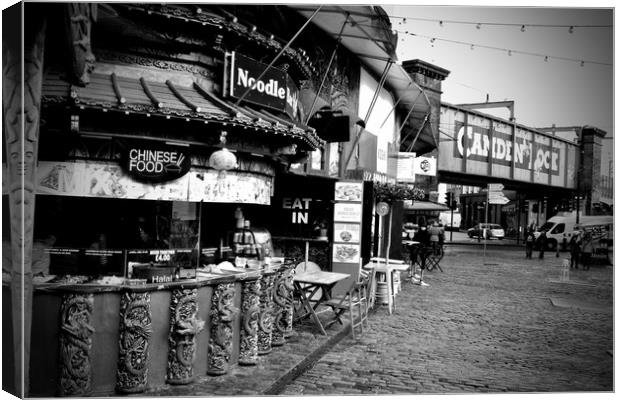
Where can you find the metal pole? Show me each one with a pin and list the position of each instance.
(278, 56)
(451, 220)
(486, 221)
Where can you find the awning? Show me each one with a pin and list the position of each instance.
(419, 205)
(368, 35)
(170, 100)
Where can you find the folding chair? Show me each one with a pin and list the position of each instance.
(355, 298)
(433, 259)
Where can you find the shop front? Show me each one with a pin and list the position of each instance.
(153, 261)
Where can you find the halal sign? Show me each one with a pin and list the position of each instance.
(152, 163)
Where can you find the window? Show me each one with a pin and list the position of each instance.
(559, 228)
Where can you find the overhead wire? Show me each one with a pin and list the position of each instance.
(509, 51)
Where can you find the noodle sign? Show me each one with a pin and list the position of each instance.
(155, 164)
(275, 89)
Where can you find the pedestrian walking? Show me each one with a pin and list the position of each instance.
(586, 250)
(575, 250)
(422, 236)
(541, 243)
(529, 243)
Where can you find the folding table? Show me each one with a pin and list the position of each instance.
(307, 285)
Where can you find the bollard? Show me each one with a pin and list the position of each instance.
(565, 270)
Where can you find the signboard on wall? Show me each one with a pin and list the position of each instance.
(275, 89)
(152, 162)
(404, 169)
(425, 166)
(479, 143)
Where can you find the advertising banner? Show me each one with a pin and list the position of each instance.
(106, 179)
(229, 187)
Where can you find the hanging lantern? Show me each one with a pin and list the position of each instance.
(223, 159)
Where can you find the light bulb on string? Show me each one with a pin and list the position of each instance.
(509, 52)
(478, 26)
(571, 29)
(546, 58)
(522, 28)
(441, 24)
(582, 63)
(471, 47)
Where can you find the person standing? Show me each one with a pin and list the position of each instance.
(422, 236)
(586, 251)
(575, 250)
(529, 243)
(541, 242)
(434, 232)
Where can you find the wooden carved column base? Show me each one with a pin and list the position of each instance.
(250, 308)
(76, 341)
(184, 326)
(222, 313)
(265, 321)
(135, 333)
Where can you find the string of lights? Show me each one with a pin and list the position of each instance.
(510, 52)
(479, 25)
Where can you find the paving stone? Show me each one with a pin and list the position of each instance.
(488, 329)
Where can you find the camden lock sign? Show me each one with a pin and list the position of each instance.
(527, 154)
(275, 89)
(152, 163)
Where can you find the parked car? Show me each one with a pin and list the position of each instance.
(492, 231)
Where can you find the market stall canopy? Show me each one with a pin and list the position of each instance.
(425, 206)
(107, 91)
(368, 35)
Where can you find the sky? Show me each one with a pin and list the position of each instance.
(557, 91)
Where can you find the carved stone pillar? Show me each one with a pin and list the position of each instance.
(135, 333)
(222, 313)
(265, 321)
(250, 309)
(21, 103)
(280, 302)
(184, 326)
(75, 344)
(287, 317)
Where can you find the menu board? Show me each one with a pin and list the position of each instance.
(348, 212)
(91, 262)
(347, 222)
(348, 233)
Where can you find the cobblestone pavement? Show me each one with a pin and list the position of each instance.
(495, 324)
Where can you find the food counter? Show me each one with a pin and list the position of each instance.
(101, 339)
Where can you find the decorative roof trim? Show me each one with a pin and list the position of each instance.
(304, 64)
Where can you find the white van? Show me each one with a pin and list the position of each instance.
(444, 218)
(561, 227)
